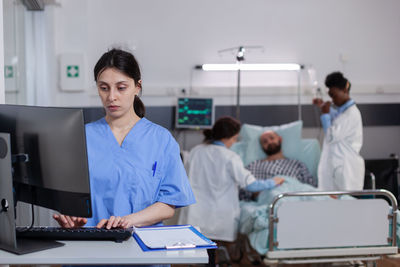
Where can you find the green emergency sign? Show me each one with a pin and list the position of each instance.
(72, 71)
(8, 71)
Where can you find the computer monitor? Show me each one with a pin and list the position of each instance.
(194, 113)
(48, 160)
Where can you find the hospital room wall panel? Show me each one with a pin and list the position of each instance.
(381, 123)
(372, 114)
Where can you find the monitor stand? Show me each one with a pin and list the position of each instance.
(8, 238)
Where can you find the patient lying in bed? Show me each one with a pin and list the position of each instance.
(276, 164)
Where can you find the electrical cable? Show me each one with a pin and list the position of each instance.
(32, 220)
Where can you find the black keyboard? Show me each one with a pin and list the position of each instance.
(84, 233)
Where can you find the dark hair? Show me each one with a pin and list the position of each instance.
(224, 127)
(126, 63)
(336, 79)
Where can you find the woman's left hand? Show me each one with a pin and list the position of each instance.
(153, 214)
(113, 222)
(279, 180)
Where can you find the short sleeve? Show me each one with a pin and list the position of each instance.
(175, 188)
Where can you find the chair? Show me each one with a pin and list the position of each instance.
(385, 174)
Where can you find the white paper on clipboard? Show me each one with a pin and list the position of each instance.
(181, 236)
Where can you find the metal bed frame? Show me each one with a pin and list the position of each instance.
(275, 256)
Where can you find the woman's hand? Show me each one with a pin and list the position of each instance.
(153, 214)
(279, 180)
(325, 108)
(69, 221)
(120, 222)
(318, 102)
(114, 222)
(117, 222)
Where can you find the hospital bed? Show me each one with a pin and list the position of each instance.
(325, 231)
(295, 223)
(284, 226)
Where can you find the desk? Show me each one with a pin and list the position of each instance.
(105, 252)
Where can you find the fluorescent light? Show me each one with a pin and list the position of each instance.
(212, 67)
(254, 67)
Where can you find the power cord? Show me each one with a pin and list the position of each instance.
(32, 220)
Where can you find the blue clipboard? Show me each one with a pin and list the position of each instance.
(207, 244)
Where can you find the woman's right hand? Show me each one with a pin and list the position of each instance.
(326, 107)
(69, 221)
(279, 180)
(318, 102)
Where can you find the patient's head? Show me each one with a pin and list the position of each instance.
(271, 142)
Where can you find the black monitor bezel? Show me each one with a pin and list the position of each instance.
(66, 202)
(186, 126)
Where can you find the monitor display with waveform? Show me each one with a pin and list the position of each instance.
(194, 113)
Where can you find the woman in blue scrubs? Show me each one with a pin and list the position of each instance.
(136, 174)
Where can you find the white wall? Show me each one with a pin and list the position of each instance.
(359, 37)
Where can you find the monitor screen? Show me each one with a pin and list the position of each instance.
(194, 113)
(49, 157)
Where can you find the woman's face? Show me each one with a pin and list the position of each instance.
(117, 92)
(230, 141)
(339, 96)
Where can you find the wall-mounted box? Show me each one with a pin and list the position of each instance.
(72, 72)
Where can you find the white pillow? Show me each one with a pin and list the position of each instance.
(249, 148)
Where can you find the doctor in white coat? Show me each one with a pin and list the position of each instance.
(216, 173)
(341, 167)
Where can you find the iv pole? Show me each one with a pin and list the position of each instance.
(239, 58)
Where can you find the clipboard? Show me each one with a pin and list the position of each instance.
(171, 237)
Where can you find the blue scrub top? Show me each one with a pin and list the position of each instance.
(145, 169)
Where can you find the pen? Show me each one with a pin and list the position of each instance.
(180, 245)
(154, 167)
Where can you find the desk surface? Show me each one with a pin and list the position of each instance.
(104, 252)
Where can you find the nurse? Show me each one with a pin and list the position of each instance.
(216, 173)
(341, 167)
(136, 174)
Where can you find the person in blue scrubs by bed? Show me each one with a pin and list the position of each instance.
(137, 177)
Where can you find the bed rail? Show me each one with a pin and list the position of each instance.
(273, 219)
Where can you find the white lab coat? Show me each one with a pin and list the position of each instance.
(341, 167)
(215, 173)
